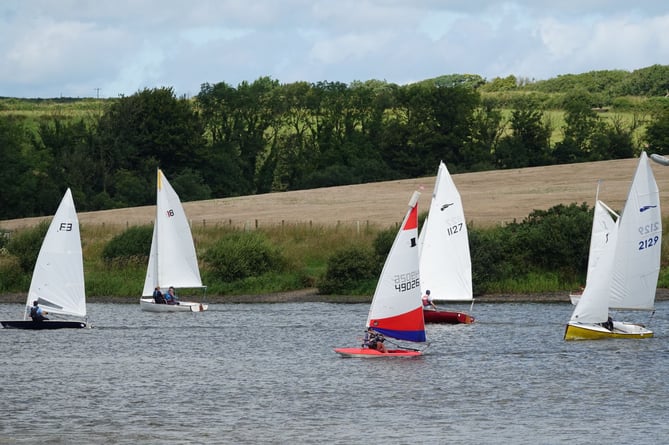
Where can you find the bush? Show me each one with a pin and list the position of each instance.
(555, 240)
(25, 245)
(11, 275)
(491, 261)
(133, 245)
(383, 243)
(349, 269)
(243, 254)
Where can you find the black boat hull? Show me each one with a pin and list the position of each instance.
(39, 325)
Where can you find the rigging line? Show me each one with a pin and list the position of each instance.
(406, 347)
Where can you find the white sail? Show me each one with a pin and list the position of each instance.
(593, 306)
(637, 258)
(172, 261)
(445, 261)
(396, 309)
(58, 278)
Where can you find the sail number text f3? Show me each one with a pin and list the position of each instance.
(65, 227)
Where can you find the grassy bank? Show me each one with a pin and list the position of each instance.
(304, 247)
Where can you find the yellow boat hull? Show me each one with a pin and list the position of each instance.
(578, 331)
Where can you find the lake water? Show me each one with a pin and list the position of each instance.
(266, 373)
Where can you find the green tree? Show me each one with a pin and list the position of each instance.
(17, 180)
(149, 129)
(657, 132)
(71, 145)
(528, 145)
(582, 127)
(486, 130)
(243, 123)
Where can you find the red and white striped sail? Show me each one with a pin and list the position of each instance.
(396, 309)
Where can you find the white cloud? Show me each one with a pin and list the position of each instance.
(72, 47)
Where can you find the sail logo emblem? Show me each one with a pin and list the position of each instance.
(644, 208)
(445, 206)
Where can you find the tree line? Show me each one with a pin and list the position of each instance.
(264, 136)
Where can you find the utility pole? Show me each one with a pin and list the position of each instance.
(97, 92)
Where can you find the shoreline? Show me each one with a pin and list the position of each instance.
(311, 295)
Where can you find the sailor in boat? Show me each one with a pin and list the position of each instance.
(608, 324)
(374, 340)
(171, 297)
(36, 312)
(158, 297)
(428, 304)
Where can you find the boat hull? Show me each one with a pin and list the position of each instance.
(373, 353)
(575, 297)
(148, 305)
(448, 317)
(41, 325)
(582, 331)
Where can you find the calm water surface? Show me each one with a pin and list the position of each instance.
(266, 373)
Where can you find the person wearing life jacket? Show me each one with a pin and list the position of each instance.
(36, 312)
(171, 297)
(158, 297)
(374, 340)
(428, 304)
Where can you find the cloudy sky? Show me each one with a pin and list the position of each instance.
(89, 48)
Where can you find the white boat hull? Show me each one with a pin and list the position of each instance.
(148, 305)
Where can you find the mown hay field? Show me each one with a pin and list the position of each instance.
(489, 198)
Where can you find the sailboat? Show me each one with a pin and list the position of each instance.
(396, 310)
(57, 283)
(626, 264)
(172, 260)
(445, 261)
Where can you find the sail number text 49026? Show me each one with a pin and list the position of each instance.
(407, 281)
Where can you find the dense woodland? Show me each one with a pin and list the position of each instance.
(264, 136)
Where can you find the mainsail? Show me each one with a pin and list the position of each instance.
(172, 261)
(637, 257)
(445, 261)
(396, 309)
(58, 278)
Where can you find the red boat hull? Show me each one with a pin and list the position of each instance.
(373, 353)
(447, 317)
